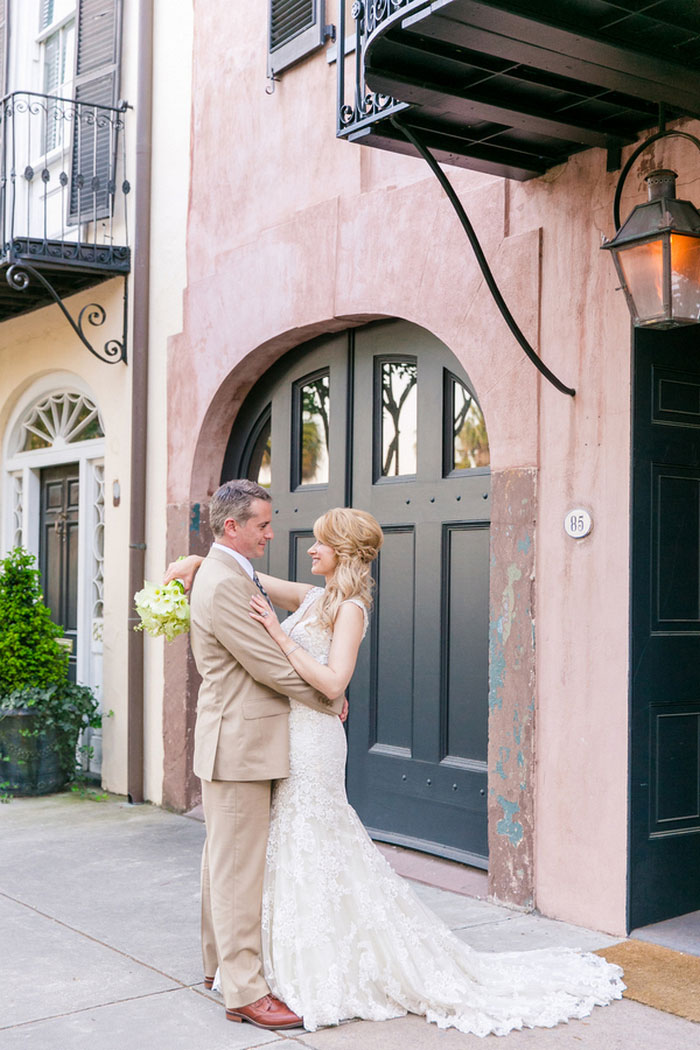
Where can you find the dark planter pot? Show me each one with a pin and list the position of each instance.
(29, 765)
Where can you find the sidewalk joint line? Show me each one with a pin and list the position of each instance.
(87, 1009)
(95, 940)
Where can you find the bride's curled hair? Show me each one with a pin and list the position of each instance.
(355, 537)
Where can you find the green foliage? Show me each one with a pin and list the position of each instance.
(34, 676)
(29, 651)
(64, 707)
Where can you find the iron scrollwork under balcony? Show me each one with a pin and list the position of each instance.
(367, 105)
(63, 215)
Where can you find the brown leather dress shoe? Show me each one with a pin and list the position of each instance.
(209, 983)
(267, 1012)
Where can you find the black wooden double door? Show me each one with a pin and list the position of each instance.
(58, 549)
(383, 418)
(665, 694)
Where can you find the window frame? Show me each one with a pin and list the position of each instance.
(378, 475)
(296, 47)
(449, 383)
(296, 443)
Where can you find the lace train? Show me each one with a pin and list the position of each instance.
(344, 936)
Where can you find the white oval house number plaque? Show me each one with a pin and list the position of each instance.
(578, 523)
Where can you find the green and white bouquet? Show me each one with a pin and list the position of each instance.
(164, 609)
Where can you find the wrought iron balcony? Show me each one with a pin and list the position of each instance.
(515, 87)
(63, 197)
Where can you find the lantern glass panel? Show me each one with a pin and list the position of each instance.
(685, 278)
(642, 271)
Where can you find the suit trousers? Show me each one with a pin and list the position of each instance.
(237, 816)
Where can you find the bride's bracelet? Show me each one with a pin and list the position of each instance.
(292, 650)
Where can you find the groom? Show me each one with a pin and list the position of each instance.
(241, 745)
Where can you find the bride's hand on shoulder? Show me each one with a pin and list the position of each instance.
(184, 569)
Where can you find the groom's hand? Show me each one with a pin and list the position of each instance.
(344, 713)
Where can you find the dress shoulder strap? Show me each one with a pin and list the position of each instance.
(311, 595)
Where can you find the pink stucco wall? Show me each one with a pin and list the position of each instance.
(291, 233)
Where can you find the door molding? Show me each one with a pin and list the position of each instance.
(20, 520)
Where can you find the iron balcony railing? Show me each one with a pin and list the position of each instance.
(63, 187)
(365, 107)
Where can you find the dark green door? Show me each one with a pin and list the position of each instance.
(383, 418)
(665, 681)
(58, 549)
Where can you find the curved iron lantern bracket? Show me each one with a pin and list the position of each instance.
(18, 277)
(481, 259)
(663, 133)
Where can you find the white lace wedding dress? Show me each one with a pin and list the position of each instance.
(344, 936)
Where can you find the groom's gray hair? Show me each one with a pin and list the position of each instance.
(234, 499)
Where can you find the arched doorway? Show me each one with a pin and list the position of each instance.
(384, 418)
(53, 457)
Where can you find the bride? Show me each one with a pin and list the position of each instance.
(343, 935)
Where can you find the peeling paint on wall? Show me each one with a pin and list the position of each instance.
(512, 688)
(505, 755)
(512, 829)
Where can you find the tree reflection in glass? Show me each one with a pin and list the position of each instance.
(470, 447)
(399, 426)
(260, 466)
(315, 442)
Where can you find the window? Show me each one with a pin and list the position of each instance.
(59, 419)
(311, 422)
(466, 443)
(57, 42)
(296, 29)
(396, 402)
(259, 452)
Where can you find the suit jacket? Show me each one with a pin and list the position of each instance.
(242, 712)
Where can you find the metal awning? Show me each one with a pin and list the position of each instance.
(515, 87)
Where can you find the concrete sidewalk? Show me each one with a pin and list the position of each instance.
(99, 935)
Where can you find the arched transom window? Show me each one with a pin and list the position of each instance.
(60, 419)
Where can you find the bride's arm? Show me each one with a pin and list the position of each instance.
(283, 593)
(184, 569)
(331, 679)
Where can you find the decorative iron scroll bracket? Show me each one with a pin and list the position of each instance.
(19, 275)
(662, 133)
(481, 259)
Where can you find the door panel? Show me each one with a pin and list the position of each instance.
(58, 549)
(466, 623)
(298, 503)
(418, 699)
(429, 790)
(665, 693)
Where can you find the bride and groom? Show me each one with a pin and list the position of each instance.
(303, 921)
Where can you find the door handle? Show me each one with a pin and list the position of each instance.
(60, 526)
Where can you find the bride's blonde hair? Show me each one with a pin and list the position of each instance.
(355, 538)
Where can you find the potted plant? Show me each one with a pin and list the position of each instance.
(42, 713)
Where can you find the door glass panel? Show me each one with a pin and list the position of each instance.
(399, 383)
(466, 437)
(260, 462)
(313, 415)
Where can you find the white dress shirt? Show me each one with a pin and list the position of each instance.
(243, 562)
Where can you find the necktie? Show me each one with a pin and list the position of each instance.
(256, 581)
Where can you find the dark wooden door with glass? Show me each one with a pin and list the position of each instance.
(665, 680)
(384, 418)
(58, 549)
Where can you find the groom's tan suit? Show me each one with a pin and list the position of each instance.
(241, 745)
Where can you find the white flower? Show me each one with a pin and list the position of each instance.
(164, 610)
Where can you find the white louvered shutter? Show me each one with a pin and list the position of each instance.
(297, 27)
(97, 61)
